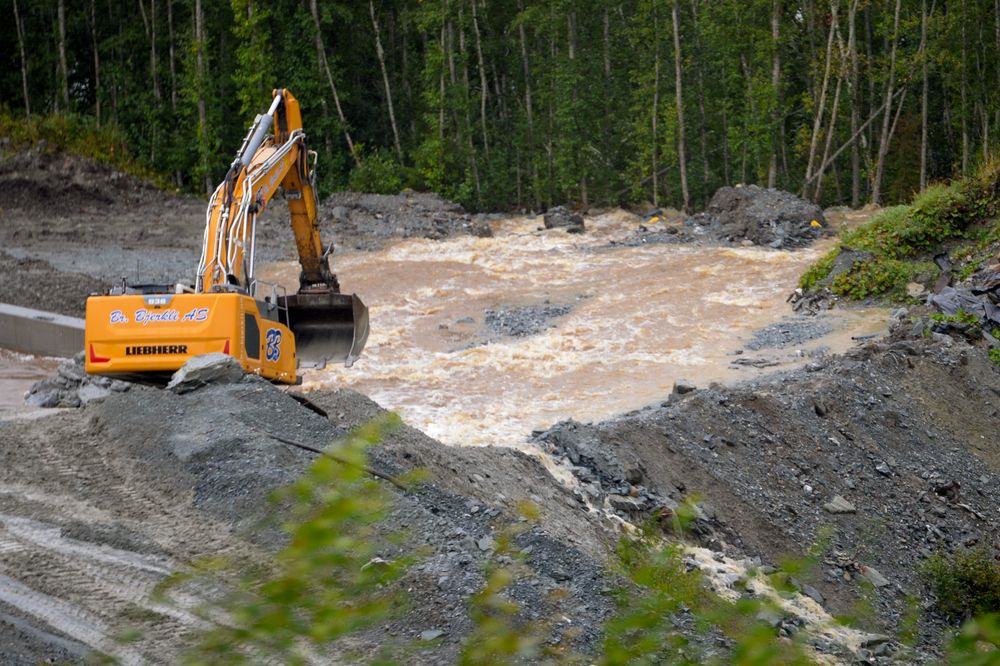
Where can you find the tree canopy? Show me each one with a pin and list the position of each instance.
(522, 103)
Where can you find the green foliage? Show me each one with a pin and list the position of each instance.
(77, 134)
(960, 317)
(900, 236)
(378, 173)
(966, 583)
(252, 76)
(977, 644)
(879, 277)
(662, 586)
(325, 584)
(524, 103)
(995, 354)
(820, 270)
(935, 216)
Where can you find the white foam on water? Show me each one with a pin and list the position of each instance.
(641, 318)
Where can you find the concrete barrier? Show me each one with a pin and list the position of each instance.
(37, 332)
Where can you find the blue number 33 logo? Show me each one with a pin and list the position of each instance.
(273, 344)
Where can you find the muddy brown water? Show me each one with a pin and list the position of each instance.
(17, 373)
(641, 319)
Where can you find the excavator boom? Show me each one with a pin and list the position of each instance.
(144, 330)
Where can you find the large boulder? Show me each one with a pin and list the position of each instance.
(561, 217)
(205, 369)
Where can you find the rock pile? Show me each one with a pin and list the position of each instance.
(746, 215)
(370, 221)
(72, 387)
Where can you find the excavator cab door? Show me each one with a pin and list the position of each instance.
(328, 326)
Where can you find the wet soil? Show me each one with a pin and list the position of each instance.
(73, 227)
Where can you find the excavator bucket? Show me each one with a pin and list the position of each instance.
(328, 327)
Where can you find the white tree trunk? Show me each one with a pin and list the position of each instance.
(24, 59)
(324, 63)
(385, 80)
(681, 150)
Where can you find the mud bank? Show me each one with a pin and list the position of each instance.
(72, 227)
(902, 430)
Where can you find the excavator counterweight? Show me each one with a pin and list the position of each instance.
(148, 331)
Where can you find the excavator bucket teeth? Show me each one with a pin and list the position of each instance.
(328, 327)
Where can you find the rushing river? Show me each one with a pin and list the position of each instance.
(639, 319)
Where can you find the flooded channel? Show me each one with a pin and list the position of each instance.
(637, 320)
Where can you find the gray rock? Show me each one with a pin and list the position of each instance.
(91, 392)
(873, 576)
(770, 617)
(626, 504)
(481, 229)
(883, 469)
(485, 544)
(839, 505)
(562, 218)
(682, 386)
(764, 216)
(43, 394)
(375, 563)
(431, 634)
(213, 368)
(871, 640)
(340, 214)
(813, 594)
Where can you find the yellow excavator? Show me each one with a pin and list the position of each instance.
(146, 332)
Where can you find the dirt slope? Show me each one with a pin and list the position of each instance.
(98, 505)
(904, 429)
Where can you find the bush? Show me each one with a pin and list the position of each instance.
(378, 173)
(899, 235)
(966, 584)
(325, 584)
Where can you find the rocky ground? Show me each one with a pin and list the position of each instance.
(145, 480)
(885, 455)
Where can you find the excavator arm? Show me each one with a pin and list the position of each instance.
(264, 164)
(146, 332)
(327, 325)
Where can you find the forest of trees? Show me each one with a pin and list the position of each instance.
(521, 103)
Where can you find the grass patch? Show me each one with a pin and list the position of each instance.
(960, 317)
(995, 356)
(819, 270)
(76, 134)
(881, 277)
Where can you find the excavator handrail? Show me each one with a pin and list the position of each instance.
(237, 237)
